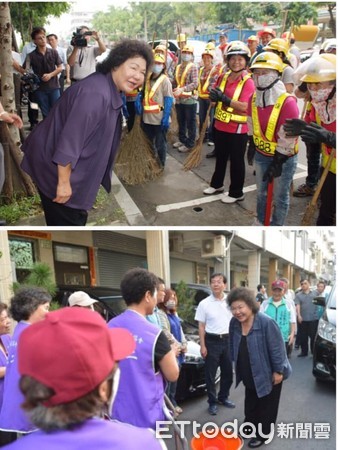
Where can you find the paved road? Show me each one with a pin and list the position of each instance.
(303, 400)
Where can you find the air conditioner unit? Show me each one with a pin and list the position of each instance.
(176, 243)
(214, 247)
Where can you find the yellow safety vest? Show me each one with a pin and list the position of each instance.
(225, 115)
(203, 90)
(265, 143)
(149, 106)
(133, 93)
(326, 151)
(181, 81)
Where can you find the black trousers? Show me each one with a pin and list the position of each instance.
(262, 410)
(57, 214)
(327, 209)
(307, 330)
(218, 356)
(230, 146)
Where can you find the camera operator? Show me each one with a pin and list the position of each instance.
(82, 60)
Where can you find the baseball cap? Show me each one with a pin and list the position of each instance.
(80, 298)
(278, 284)
(71, 351)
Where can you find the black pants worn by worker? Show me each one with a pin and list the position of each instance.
(57, 214)
(218, 356)
(306, 330)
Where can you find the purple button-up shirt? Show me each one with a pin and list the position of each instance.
(83, 129)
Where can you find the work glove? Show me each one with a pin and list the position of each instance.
(167, 105)
(216, 95)
(138, 104)
(275, 168)
(251, 151)
(294, 127)
(314, 133)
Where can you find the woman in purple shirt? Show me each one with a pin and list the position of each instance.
(71, 152)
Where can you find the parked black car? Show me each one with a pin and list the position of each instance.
(111, 303)
(324, 352)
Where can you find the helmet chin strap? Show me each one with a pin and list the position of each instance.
(238, 71)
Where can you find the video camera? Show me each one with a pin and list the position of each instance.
(30, 82)
(78, 39)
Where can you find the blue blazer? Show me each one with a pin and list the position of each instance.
(266, 348)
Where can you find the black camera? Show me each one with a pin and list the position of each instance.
(78, 39)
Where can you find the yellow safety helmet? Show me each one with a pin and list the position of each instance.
(267, 60)
(238, 48)
(321, 68)
(208, 53)
(328, 45)
(210, 46)
(161, 48)
(159, 58)
(253, 37)
(188, 49)
(279, 45)
(181, 37)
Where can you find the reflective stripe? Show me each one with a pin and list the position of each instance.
(149, 106)
(326, 150)
(203, 91)
(266, 143)
(181, 81)
(225, 115)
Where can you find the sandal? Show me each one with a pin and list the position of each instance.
(304, 191)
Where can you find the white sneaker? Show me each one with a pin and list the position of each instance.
(184, 149)
(210, 190)
(228, 199)
(211, 144)
(177, 144)
(256, 223)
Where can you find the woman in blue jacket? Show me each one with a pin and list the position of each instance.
(258, 351)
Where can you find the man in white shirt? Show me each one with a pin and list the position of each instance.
(213, 316)
(53, 41)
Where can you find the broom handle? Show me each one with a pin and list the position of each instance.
(268, 204)
(323, 178)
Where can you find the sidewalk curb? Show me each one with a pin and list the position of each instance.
(131, 211)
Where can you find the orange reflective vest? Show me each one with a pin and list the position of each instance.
(267, 144)
(149, 106)
(326, 151)
(181, 81)
(225, 115)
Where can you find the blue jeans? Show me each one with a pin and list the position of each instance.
(281, 191)
(186, 118)
(158, 139)
(46, 100)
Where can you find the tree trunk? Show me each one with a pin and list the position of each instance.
(332, 21)
(9, 135)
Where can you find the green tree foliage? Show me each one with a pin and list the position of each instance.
(186, 302)
(41, 275)
(27, 15)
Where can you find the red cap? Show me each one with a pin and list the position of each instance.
(278, 284)
(72, 351)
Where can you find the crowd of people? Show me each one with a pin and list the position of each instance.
(247, 93)
(53, 390)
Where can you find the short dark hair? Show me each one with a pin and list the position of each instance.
(52, 35)
(36, 31)
(246, 295)
(135, 283)
(26, 301)
(219, 274)
(319, 282)
(124, 50)
(3, 307)
(259, 287)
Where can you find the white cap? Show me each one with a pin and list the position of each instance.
(80, 298)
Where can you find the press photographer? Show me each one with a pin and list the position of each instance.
(81, 55)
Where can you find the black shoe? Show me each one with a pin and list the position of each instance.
(212, 410)
(255, 442)
(302, 355)
(227, 403)
(211, 154)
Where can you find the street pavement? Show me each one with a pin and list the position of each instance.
(304, 401)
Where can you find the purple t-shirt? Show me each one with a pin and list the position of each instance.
(82, 129)
(5, 339)
(92, 434)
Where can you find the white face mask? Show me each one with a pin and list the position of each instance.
(157, 68)
(320, 95)
(186, 57)
(263, 81)
(114, 389)
(171, 304)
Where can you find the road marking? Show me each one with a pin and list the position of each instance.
(214, 198)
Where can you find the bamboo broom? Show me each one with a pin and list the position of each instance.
(173, 130)
(136, 162)
(195, 156)
(311, 208)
